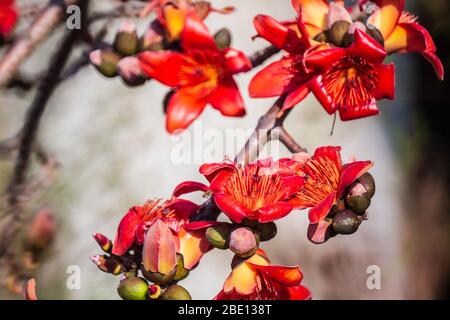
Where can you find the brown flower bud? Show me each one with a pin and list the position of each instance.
(368, 182)
(153, 38)
(358, 198)
(243, 242)
(176, 292)
(133, 289)
(376, 34)
(267, 231)
(181, 272)
(223, 38)
(126, 41)
(105, 61)
(338, 31)
(322, 37)
(218, 235)
(346, 222)
(41, 231)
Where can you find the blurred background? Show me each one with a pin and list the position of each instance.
(114, 153)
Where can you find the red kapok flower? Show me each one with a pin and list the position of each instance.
(325, 181)
(351, 78)
(256, 279)
(396, 29)
(202, 75)
(171, 14)
(188, 239)
(8, 17)
(254, 191)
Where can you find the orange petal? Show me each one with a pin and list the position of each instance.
(30, 290)
(243, 278)
(193, 245)
(159, 254)
(174, 21)
(314, 14)
(288, 276)
(387, 16)
(183, 109)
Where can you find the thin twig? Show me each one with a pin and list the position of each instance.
(39, 30)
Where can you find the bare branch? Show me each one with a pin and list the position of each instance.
(39, 30)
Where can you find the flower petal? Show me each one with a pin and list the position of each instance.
(358, 112)
(287, 276)
(291, 183)
(296, 96)
(298, 293)
(273, 80)
(412, 37)
(367, 47)
(351, 172)
(227, 99)
(183, 208)
(314, 13)
(320, 210)
(386, 82)
(196, 36)
(159, 253)
(183, 109)
(236, 61)
(274, 211)
(126, 232)
(193, 245)
(199, 225)
(234, 210)
(30, 290)
(188, 187)
(387, 16)
(164, 66)
(320, 232)
(277, 33)
(211, 170)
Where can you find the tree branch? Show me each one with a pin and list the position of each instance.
(39, 30)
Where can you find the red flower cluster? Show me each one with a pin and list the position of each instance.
(338, 58)
(202, 74)
(8, 17)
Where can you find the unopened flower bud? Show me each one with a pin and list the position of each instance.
(176, 292)
(133, 289)
(41, 231)
(130, 71)
(243, 242)
(376, 35)
(267, 231)
(223, 38)
(321, 232)
(105, 61)
(346, 222)
(322, 37)
(338, 31)
(126, 41)
(181, 272)
(159, 257)
(358, 198)
(104, 243)
(159, 278)
(154, 291)
(218, 235)
(153, 38)
(107, 264)
(368, 182)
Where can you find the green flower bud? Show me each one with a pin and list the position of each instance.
(368, 182)
(218, 235)
(244, 242)
(105, 61)
(133, 289)
(159, 278)
(346, 222)
(267, 231)
(223, 38)
(181, 272)
(338, 31)
(358, 198)
(176, 292)
(126, 41)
